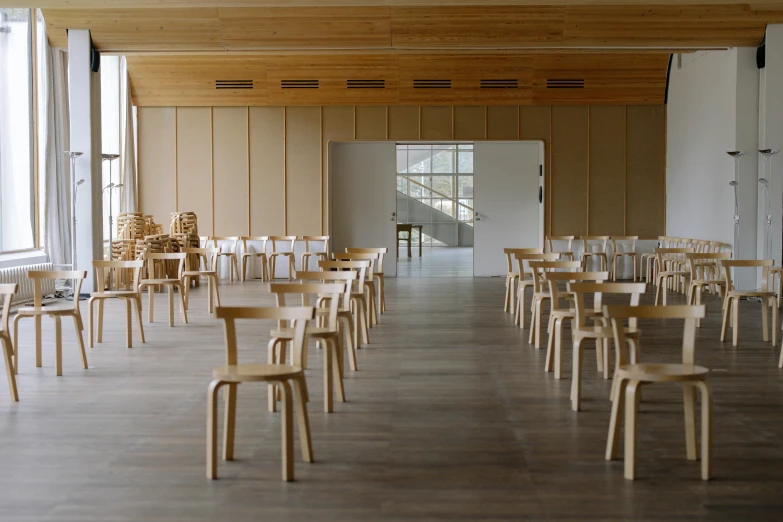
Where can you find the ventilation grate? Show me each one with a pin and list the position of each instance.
(366, 84)
(299, 84)
(564, 84)
(233, 84)
(432, 84)
(499, 84)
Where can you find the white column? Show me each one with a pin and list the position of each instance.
(84, 90)
(771, 129)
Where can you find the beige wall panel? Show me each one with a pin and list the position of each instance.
(569, 170)
(535, 124)
(646, 171)
(194, 165)
(370, 123)
(503, 122)
(607, 170)
(337, 126)
(303, 170)
(157, 162)
(404, 123)
(436, 123)
(230, 147)
(470, 123)
(267, 171)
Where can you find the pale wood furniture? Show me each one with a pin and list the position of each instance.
(601, 334)
(370, 284)
(647, 261)
(288, 378)
(732, 299)
(359, 303)
(524, 282)
(308, 253)
(289, 254)
(56, 312)
(7, 291)
(668, 275)
(617, 243)
(629, 379)
(541, 293)
(512, 276)
(112, 272)
(258, 243)
(776, 272)
(701, 267)
(228, 250)
(568, 252)
(564, 312)
(377, 271)
(328, 335)
(407, 228)
(206, 261)
(157, 269)
(590, 241)
(184, 223)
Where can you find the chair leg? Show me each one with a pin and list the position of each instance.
(150, 304)
(291, 267)
(774, 325)
(345, 336)
(337, 369)
(735, 322)
(576, 378)
(614, 421)
(58, 345)
(614, 267)
(128, 326)
(16, 344)
(272, 261)
(287, 431)
(216, 289)
(89, 322)
(559, 349)
(38, 341)
(182, 306)
(212, 430)
(305, 442)
(689, 403)
(726, 312)
(271, 358)
(77, 323)
(230, 420)
(328, 393)
(706, 430)
(550, 345)
(170, 289)
(764, 320)
(631, 406)
(9, 365)
(137, 302)
(100, 320)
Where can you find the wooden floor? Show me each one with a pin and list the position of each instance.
(451, 417)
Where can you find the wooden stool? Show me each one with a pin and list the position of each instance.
(56, 312)
(111, 272)
(599, 241)
(258, 253)
(209, 257)
(289, 379)
(731, 302)
(629, 379)
(291, 240)
(165, 280)
(7, 291)
(319, 256)
(618, 241)
(377, 271)
(512, 276)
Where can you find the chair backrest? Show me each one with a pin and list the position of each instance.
(7, 291)
(599, 241)
(524, 259)
(315, 239)
(550, 248)
(380, 251)
(298, 315)
(308, 294)
(764, 264)
(224, 243)
(77, 276)
(346, 276)
(624, 240)
(618, 314)
(208, 255)
(635, 290)
(152, 258)
(111, 271)
(511, 252)
(360, 266)
(698, 260)
(553, 278)
(291, 240)
(352, 256)
(250, 241)
(539, 268)
(663, 254)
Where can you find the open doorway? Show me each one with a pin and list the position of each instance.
(435, 209)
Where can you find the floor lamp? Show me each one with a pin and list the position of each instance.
(74, 188)
(737, 155)
(765, 188)
(111, 186)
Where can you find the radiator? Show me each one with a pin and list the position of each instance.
(18, 275)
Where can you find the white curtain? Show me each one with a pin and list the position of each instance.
(128, 196)
(56, 140)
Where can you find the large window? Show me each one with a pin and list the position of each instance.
(17, 206)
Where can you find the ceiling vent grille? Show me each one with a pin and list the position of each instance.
(499, 84)
(299, 84)
(233, 84)
(564, 84)
(366, 84)
(432, 84)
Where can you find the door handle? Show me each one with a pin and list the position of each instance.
(540, 194)
(476, 216)
(393, 217)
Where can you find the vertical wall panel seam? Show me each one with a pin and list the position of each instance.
(387, 122)
(551, 168)
(486, 123)
(321, 164)
(453, 121)
(285, 170)
(419, 122)
(176, 160)
(212, 162)
(625, 170)
(249, 230)
(354, 122)
(588, 170)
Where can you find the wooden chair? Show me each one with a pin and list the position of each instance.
(541, 293)
(701, 276)
(630, 378)
(228, 250)
(56, 312)
(167, 280)
(776, 272)
(669, 274)
(587, 253)
(732, 299)
(358, 296)
(561, 313)
(405, 233)
(524, 282)
(329, 335)
(617, 242)
(377, 271)
(259, 253)
(291, 240)
(370, 284)
(289, 378)
(647, 262)
(209, 258)
(512, 276)
(113, 272)
(601, 334)
(568, 252)
(307, 254)
(7, 291)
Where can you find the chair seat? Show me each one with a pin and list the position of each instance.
(159, 281)
(673, 273)
(227, 254)
(601, 332)
(719, 282)
(114, 293)
(256, 372)
(46, 310)
(312, 331)
(281, 254)
(199, 272)
(659, 372)
(751, 293)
